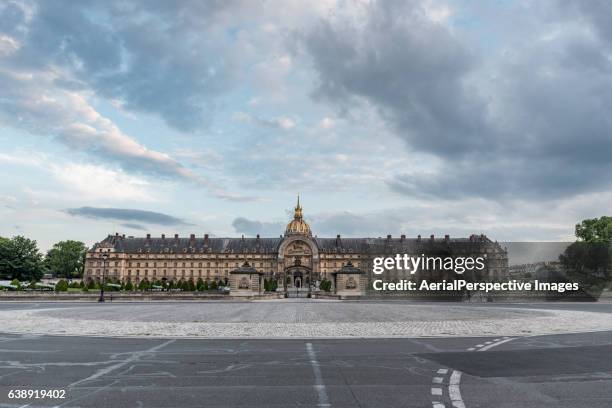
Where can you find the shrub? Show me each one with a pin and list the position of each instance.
(325, 285)
(185, 286)
(144, 285)
(61, 286)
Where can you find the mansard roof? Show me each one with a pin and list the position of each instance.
(270, 245)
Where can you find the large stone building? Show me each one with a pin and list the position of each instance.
(294, 259)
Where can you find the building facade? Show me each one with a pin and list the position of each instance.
(294, 260)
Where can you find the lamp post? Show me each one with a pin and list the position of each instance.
(104, 257)
(310, 283)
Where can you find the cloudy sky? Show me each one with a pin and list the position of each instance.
(412, 117)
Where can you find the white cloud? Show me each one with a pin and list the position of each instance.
(326, 123)
(438, 13)
(8, 45)
(285, 123)
(281, 122)
(95, 183)
(84, 182)
(7, 200)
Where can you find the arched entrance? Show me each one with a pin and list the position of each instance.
(298, 280)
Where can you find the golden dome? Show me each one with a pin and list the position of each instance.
(298, 226)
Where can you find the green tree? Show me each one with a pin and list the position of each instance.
(61, 286)
(15, 282)
(66, 259)
(595, 230)
(20, 259)
(128, 286)
(190, 285)
(588, 261)
(325, 285)
(200, 285)
(144, 285)
(206, 285)
(213, 285)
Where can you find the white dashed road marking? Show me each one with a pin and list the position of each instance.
(316, 370)
(453, 390)
(436, 391)
(485, 348)
(490, 344)
(454, 382)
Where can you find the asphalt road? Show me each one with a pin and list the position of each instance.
(573, 370)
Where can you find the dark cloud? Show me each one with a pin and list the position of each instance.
(407, 66)
(134, 226)
(125, 214)
(527, 118)
(154, 57)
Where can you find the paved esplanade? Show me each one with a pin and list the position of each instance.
(562, 370)
(521, 371)
(298, 319)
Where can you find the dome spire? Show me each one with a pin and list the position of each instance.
(298, 210)
(298, 225)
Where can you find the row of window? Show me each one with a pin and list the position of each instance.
(211, 256)
(199, 264)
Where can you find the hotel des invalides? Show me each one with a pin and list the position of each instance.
(294, 259)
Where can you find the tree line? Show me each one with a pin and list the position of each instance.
(21, 259)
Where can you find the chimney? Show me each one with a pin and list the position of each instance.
(163, 236)
(338, 240)
(431, 237)
(257, 237)
(389, 237)
(148, 236)
(123, 236)
(403, 238)
(116, 234)
(419, 238)
(175, 236)
(243, 237)
(446, 237)
(206, 240)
